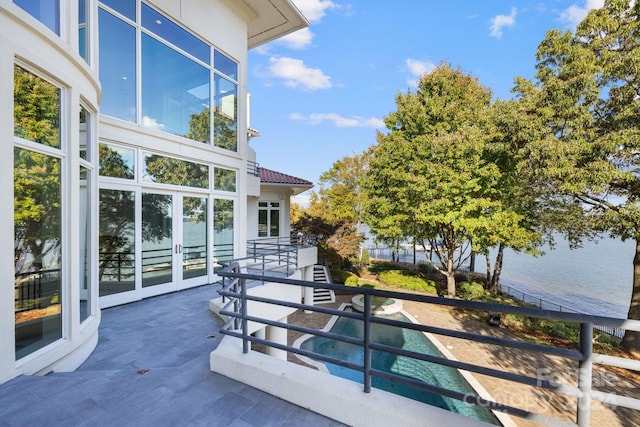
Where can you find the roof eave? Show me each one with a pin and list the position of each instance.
(268, 20)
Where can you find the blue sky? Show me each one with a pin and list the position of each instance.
(321, 93)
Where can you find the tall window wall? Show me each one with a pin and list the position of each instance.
(37, 185)
(173, 197)
(186, 88)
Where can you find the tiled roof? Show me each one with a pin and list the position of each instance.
(268, 176)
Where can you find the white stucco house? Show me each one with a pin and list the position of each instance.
(129, 173)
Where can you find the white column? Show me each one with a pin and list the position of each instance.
(261, 333)
(277, 335)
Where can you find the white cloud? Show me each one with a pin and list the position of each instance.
(338, 120)
(297, 75)
(315, 10)
(150, 122)
(417, 69)
(501, 21)
(574, 13)
(298, 40)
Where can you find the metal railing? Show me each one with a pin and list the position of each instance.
(548, 305)
(235, 292)
(253, 168)
(273, 254)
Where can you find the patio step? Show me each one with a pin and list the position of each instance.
(321, 275)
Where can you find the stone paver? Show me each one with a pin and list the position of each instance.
(150, 368)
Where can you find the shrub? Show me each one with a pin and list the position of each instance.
(365, 259)
(470, 290)
(351, 280)
(410, 280)
(342, 276)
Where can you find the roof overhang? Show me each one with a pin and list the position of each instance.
(268, 20)
(294, 189)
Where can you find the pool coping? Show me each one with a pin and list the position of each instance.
(504, 418)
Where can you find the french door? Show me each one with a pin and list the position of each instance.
(174, 245)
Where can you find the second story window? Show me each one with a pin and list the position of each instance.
(45, 11)
(186, 87)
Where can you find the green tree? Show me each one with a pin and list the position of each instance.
(588, 95)
(343, 191)
(428, 177)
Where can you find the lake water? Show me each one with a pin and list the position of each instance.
(596, 279)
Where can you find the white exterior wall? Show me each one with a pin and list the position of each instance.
(26, 41)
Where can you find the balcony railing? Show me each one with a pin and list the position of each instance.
(272, 254)
(235, 292)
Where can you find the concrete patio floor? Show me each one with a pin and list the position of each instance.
(150, 368)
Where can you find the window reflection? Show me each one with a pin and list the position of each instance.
(174, 89)
(174, 34)
(222, 232)
(36, 108)
(37, 250)
(225, 65)
(125, 7)
(157, 239)
(84, 226)
(117, 67)
(225, 114)
(224, 179)
(83, 41)
(167, 170)
(116, 260)
(117, 162)
(45, 11)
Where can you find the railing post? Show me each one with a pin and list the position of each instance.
(367, 342)
(585, 374)
(245, 323)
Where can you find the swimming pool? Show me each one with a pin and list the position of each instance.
(431, 373)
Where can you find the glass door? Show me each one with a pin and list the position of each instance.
(158, 247)
(193, 249)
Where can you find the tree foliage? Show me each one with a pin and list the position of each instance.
(587, 95)
(436, 178)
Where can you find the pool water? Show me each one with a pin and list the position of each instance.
(431, 373)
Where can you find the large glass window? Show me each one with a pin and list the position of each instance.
(175, 91)
(176, 77)
(117, 161)
(167, 170)
(37, 214)
(84, 223)
(36, 109)
(125, 7)
(84, 226)
(224, 179)
(225, 121)
(45, 11)
(222, 232)
(225, 65)
(83, 34)
(37, 250)
(269, 219)
(174, 34)
(117, 67)
(116, 257)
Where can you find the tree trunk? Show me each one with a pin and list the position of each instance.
(451, 280)
(631, 340)
(487, 281)
(497, 270)
(472, 262)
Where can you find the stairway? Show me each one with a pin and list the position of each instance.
(321, 274)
